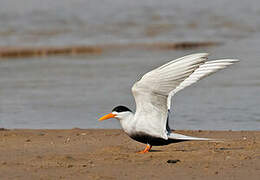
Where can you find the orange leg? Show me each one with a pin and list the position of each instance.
(147, 149)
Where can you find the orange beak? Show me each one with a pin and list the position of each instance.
(108, 116)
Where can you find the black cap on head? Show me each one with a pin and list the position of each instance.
(121, 109)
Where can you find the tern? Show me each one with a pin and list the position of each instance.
(153, 94)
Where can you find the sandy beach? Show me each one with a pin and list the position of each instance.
(110, 154)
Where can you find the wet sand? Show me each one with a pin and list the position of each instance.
(17, 52)
(110, 154)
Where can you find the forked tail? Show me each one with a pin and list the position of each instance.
(187, 138)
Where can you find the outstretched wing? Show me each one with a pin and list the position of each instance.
(204, 70)
(154, 91)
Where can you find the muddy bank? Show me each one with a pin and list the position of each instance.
(110, 154)
(15, 52)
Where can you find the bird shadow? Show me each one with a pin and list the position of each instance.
(155, 150)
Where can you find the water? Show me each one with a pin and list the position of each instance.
(36, 22)
(73, 91)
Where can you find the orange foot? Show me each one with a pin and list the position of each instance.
(147, 149)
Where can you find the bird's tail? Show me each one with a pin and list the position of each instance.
(177, 136)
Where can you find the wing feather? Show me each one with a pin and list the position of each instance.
(203, 71)
(154, 90)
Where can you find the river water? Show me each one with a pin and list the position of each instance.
(74, 91)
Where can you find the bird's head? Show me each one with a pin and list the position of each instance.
(119, 112)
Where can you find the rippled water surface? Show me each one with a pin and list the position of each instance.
(73, 91)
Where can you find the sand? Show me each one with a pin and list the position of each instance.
(18, 52)
(110, 154)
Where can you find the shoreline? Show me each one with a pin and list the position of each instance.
(111, 154)
(43, 51)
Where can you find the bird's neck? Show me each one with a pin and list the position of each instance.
(128, 123)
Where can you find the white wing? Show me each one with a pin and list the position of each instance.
(204, 70)
(153, 92)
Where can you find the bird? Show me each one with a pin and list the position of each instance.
(153, 94)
